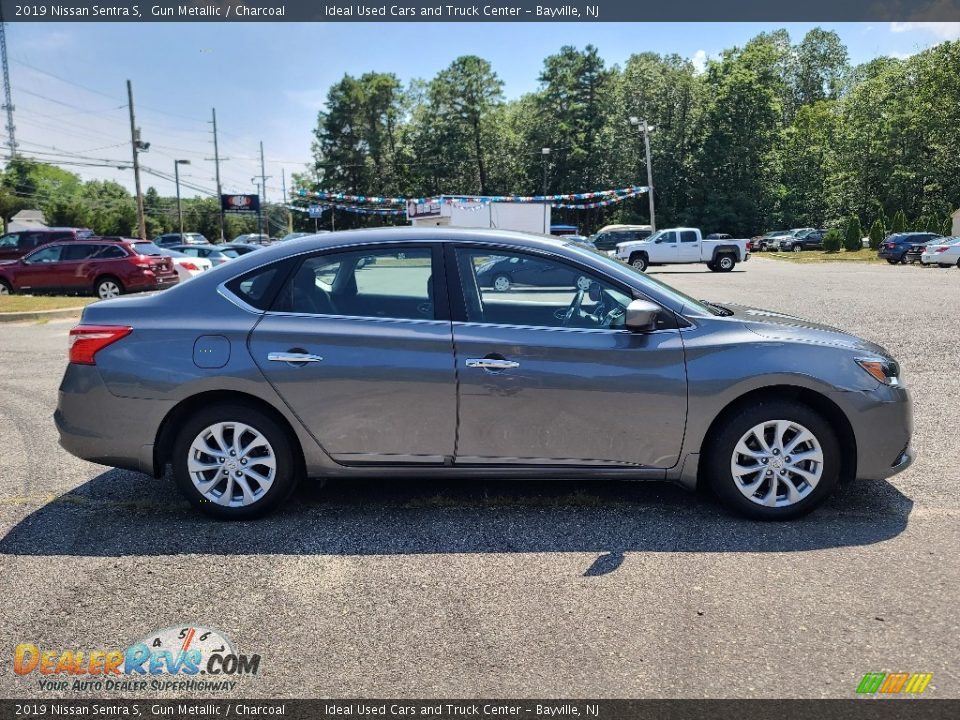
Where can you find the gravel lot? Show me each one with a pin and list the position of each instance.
(548, 589)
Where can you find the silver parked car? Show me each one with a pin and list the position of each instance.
(382, 353)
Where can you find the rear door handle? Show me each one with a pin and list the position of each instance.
(294, 357)
(492, 363)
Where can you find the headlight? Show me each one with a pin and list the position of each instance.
(881, 369)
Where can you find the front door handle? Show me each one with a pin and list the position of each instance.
(294, 357)
(492, 363)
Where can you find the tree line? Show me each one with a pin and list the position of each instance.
(774, 134)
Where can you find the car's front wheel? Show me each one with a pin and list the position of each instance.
(891, 261)
(640, 262)
(501, 283)
(234, 462)
(797, 248)
(5, 288)
(773, 460)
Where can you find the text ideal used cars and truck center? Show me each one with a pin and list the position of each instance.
(397, 353)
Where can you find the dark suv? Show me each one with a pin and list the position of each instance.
(102, 267)
(806, 240)
(608, 240)
(895, 247)
(15, 245)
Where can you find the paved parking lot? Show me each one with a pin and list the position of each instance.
(513, 589)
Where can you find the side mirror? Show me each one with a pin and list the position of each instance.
(641, 316)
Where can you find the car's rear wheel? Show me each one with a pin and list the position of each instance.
(5, 288)
(773, 460)
(501, 283)
(891, 261)
(725, 262)
(639, 262)
(234, 462)
(903, 259)
(108, 287)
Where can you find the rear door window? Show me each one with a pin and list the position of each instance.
(77, 251)
(689, 236)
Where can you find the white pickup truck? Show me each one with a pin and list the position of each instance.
(683, 245)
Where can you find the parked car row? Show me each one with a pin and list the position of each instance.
(906, 247)
(795, 240)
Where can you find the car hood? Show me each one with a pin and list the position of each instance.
(780, 326)
(7, 262)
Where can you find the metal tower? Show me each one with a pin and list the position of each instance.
(7, 99)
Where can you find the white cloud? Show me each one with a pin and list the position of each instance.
(699, 61)
(49, 41)
(940, 30)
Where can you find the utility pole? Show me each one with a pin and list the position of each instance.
(545, 153)
(283, 181)
(176, 175)
(216, 161)
(7, 98)
(137, 145)
(263, 186)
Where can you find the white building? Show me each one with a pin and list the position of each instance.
(26, 220)
(462, 212)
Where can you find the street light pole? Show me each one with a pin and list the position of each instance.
(545, 153)
(647, 129)
(176, 175)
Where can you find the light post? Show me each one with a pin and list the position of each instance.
(647, 129)
(545, 153)
(176, 175)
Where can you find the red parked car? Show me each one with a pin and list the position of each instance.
(105, 268)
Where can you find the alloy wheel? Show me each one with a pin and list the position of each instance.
(777, 463)
(232, 464)
(501, 283)
(108, 289)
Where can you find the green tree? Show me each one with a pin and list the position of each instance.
(877, 234)
(853, 240)
(832, 241)
(899, 224)
(947, 228)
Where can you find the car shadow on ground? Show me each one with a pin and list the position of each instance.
(120, 513)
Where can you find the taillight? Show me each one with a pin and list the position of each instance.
(940, 248)
(188, 266)
(87, 340)
(891, 246)
(142, 260)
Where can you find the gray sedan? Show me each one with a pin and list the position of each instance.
(379, 353)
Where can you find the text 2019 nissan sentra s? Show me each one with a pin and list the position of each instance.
(379, 353)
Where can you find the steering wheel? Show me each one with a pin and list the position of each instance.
(574, 308)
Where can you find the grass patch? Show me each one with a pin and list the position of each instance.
(32, 303)
(819, 256)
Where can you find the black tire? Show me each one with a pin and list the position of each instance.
(105, 281)
(903, 259)
(501, 278)
(713, 267)
(286, 475)
(725, 262)
(892, 261)
(639, 262)
(6, 288)
(719, 450)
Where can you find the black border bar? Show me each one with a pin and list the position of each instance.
(480, 11)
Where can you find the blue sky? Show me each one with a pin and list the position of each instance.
(267, 81)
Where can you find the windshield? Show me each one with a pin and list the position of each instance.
(661, 287)
(653, 238)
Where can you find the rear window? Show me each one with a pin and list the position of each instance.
(147, 248)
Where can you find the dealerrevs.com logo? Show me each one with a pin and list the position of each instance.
(183, 658)
(894, 683)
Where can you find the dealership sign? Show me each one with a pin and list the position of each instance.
(418, 209)
(240, 203)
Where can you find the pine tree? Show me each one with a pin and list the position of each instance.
(877, 233)
(853, 240)
(832, 241)
(899, 222)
